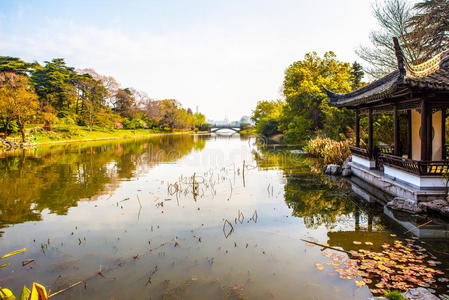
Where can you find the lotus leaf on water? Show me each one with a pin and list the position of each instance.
(399, 266)
(319, 266)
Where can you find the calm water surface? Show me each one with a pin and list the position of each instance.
(180, 217)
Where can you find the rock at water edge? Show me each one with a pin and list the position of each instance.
(404, 204)
(346, 172)
(333, 170)
(420, 294)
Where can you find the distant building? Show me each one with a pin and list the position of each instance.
(246, 120)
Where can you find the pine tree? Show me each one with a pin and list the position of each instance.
(430, 26)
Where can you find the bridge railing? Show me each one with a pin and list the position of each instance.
(224, 126)
(219, 127)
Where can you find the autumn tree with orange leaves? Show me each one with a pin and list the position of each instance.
(18, 101)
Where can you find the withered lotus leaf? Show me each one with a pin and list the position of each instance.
(399, 266)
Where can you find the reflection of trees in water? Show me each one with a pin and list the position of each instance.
(57, 177)
(317, 205)
(311, 195)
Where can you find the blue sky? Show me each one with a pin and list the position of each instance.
(222, 56)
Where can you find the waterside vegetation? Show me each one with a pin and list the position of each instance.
(330, 151)
(54, 101)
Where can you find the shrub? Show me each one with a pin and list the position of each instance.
(336, 152)
(315, 147)
(63, 113)
(331, 151)
(394, 295)
(134, 124)
(66, 121)
(204, 127)
(10, 127)
(106, 119)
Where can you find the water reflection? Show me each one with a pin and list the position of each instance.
(356, 223)
(150, 214)
(312, 196)
(57, 177)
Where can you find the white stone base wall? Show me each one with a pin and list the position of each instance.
(421, 182)
(395, 187)
(364, 162)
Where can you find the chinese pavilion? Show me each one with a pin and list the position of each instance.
(418, 97)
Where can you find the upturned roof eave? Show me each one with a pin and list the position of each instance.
(371, 92)
(430, 75)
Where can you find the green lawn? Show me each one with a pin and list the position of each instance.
(80, 133)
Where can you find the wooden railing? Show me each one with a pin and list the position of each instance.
(446, 152)
(418, 167)
(359, 151)
(386, 149)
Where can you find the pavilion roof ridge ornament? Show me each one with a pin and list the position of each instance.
(400, 57)
(428, 67)
(424, 69)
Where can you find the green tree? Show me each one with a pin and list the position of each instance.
(307, 108)
(125, 103)
(16, 65)
(266, 115)
(18, 101)
(91, 101)
(296, 129)
(199, 119)
(184, 118)
(267, 110)
(357, 75)
(109, 82)
(54, 83)
(430, 26)
(90, 89)
(168, 110)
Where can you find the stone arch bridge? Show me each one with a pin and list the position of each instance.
(215, 128)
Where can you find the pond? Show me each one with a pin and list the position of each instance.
(196, 217)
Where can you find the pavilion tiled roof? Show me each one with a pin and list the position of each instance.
(433, 75)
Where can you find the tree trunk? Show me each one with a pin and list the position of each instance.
(5, 128)
(22, 131)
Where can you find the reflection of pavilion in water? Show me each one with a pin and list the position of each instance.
(421, 226)
(364, 231)
(436, 229)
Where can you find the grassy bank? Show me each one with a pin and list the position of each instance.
(250, 131)
(80, 133)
